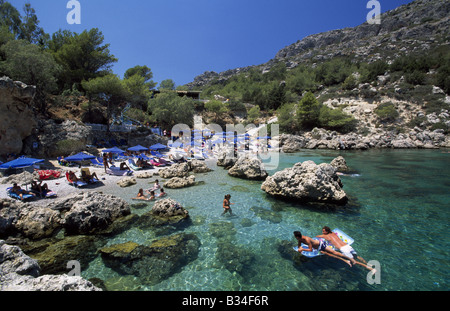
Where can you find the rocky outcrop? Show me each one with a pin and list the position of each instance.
(166, 215)
(169, 208)
(127, 181)
(180, 182)
(226, 159)
(326, 139)
(339, 164)
(248, 168)
(56, 139)
(28, 221)
(19, 272)
(16, 115)
(176, 170)
(91, 212)
(81, 213)
(307, 182)
(197, 166)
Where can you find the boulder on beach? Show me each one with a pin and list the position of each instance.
(307, 182)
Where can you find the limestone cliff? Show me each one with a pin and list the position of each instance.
(17, 119)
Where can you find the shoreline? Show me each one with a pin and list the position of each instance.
(108, 182)
(63, 188)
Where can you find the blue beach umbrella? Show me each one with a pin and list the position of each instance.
(158, 146)
(137, 148)
(113, 150)
(177, 144)
(20, 163)
(80, 157)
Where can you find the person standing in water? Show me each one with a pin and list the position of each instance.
(226, 205)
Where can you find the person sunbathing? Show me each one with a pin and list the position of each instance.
(39, 187)
(63, 162)
(88, 177)
(124, 166)
(20, 192)
(73, 177)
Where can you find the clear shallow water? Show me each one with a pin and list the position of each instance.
(398, 214)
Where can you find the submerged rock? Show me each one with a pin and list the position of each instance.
(54, 258)
(307, 182)
(156, 262)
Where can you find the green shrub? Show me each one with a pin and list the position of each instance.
(386, 112)
(68, 146)
(337, 120)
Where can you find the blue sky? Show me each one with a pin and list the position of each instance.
(180, 39)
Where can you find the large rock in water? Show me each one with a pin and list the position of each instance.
(248, 168)
(307, 182)
(16, 115)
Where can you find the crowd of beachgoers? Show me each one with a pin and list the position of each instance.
(25, 178)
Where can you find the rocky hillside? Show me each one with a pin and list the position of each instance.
(418, 26)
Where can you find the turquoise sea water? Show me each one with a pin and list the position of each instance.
(398, 215)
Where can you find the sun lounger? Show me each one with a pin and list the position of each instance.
(133, 165)
(45, 194)
(156, 163)
(88, 173)
(97, 163)
(77, 184)
(113, 170)
(14, 195)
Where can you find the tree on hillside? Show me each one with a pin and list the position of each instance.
(308, 111)
(169, 109)
(336, 119)
(109, 90)
(276, 96)
(138, 91)
(144, 72)
(30, 64)
(24, 27)
(287, 118)
(9, 17)
(216, 107)
(30, 29)
(83, 56)
(167, 84)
